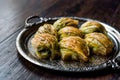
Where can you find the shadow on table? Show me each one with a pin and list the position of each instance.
(40, 70)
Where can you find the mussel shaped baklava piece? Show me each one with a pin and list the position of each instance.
(45, 45)
(69, 31)
(92, 26)
(47, 28)
(74, 48)
(99, 43)
(62, 22)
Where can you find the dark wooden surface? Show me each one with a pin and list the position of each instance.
(12, 16)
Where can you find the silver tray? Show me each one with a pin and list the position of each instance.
(25, 49)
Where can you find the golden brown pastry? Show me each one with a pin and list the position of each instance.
(45, 45)
(47, 28)
(69, 31)
(71, 45)
(74, 48)
(99, 43)
(62, 22)
(92, 26)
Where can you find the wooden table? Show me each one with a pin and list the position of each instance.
(12, 16)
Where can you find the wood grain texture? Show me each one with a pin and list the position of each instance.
(12, 16)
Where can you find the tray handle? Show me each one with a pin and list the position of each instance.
(116, 63)
(33, 20)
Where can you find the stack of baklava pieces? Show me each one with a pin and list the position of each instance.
(68, 40)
